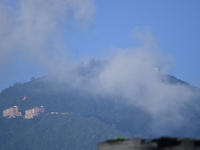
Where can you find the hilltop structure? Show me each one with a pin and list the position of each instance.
(11, 112)
(30, 113)
(164, 143)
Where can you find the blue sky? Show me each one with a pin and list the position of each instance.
(95, 29)
(174, 23)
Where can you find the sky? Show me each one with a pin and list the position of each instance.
(40, 37)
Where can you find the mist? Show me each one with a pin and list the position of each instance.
(31, 35)
(137, 76)
(131, 74)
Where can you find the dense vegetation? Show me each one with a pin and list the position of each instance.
(54, 132)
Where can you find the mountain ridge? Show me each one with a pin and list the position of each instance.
(95, 116)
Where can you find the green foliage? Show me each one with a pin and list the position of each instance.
(55, 132)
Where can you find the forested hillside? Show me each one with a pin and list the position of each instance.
(92, 117)
(55, 132)
(88, 119)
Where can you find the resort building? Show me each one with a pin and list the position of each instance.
(11, 112)
(36, 111)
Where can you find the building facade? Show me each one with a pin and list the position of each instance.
(11, 112)
(30, 113)
(164, 143)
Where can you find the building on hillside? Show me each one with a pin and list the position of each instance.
(36, 111)
(11, 112)
(163, 143)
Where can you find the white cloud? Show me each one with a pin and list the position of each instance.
(130, 75)
(32, 30)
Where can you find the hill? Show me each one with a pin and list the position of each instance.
(88, 116)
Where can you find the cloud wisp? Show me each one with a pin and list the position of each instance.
(32, 32)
